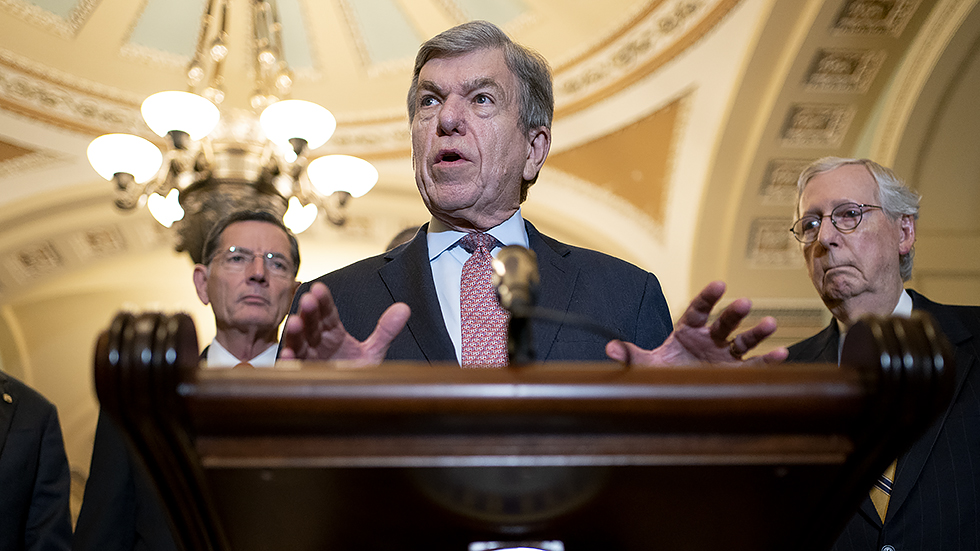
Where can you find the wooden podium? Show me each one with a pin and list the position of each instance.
(594, 456)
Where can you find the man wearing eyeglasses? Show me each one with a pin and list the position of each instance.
(856, 223)
(248, 277)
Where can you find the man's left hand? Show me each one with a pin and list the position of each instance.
(693, 341)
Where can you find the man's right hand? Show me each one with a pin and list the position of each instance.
(314, 331)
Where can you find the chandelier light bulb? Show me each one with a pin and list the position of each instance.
(113, 153)
(195, 73)
(190, 113)
(293, 118)
(332, 173)
(267, 57)
(299, 218)
(166, 210)
(218, 49)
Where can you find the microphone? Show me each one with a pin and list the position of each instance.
(515, 278)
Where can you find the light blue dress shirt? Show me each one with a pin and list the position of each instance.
(447, 256)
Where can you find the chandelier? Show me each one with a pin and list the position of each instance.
(221, 160)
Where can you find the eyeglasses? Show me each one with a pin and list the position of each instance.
(845, 218)
(237, 259)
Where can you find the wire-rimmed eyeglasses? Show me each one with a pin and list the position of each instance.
(845, 218)
(237, 259)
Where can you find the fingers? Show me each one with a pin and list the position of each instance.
(748, 340)
(616, 350)
(699, 310)
(776, 356)
(292, 346)
(390, 324)
(751, 338)
(315, 315)
(729, 319)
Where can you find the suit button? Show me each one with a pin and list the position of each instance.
(887, 548)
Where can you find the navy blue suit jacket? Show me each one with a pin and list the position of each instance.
(935, 501)
(609, 291)
(34, 478)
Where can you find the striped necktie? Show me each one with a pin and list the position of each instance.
(881, 492)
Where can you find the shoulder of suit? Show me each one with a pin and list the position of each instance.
(18, 390)
(587, 257)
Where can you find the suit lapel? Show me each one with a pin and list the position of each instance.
(822, 347)
(555, 291)
(408, 278)
(6, 409)
(960, 337)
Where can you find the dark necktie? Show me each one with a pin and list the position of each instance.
(484, 322)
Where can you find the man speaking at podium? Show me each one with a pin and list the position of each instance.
(480, 108)
(857, 226)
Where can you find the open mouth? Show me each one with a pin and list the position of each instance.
(448, 157)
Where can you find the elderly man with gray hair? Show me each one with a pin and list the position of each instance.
(856, 223)
(480, 108)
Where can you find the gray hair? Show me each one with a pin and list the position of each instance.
(896, 198)
(536, 99)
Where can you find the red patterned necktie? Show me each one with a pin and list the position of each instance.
(484, 322)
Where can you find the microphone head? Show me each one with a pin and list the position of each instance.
(515, 278)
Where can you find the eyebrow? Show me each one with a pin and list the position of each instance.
(469, 86)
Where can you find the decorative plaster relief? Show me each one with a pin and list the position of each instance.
(875, 17)
(817, 125)
(35, 15)
(35, 160)
(33, 262)
(101, 242)
(845, 71)
(652, 36)
(365, 138)
(779, 182)
(772, 245)
(53, 103)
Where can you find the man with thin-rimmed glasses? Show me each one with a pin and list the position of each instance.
(856, 224)
(248, 276)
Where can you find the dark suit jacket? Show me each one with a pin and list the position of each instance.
(935, 501)
(34, 478)
(121, 510)
(609, 291)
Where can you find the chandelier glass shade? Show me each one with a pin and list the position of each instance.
(220, 159)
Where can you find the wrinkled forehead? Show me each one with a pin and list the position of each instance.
(257, 236)
(845, 184)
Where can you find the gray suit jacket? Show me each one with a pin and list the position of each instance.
(608, 291)
(34, 478)
(935, 501)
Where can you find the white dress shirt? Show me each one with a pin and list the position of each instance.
(218, 356)
(902, 310)
(447, 256)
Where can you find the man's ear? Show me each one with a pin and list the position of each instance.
(907, 239)
(539, 144)
(201, 282)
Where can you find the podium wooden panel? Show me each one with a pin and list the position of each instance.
(402, 456)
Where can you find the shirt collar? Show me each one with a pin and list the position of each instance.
(218, 356)
(902, 310)
(441, 238)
